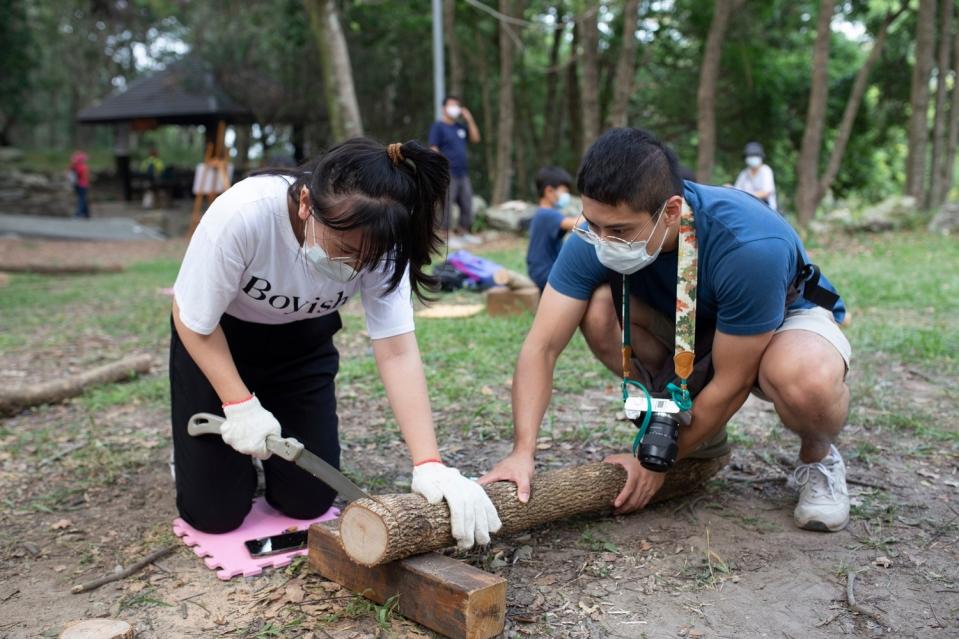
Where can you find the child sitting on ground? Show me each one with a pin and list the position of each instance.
(549, 225)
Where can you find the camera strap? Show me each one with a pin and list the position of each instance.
(684, 353)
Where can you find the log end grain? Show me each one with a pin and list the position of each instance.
(98, 629)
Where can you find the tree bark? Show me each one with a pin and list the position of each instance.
(936, 196)
(554, 113)
(706, 94)
(453, 56)
(504, 134)
(389, 527)
(953, 140)
(589, 75)
(625, 66)
(15, 399)
(852, 106)
(343, 109)
(573, 101)
(807, 170)
(919, 99)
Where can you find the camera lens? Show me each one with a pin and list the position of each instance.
(658, 450)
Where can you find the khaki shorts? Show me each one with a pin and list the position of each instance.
(815, 320)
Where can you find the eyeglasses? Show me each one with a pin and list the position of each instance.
(587, 234)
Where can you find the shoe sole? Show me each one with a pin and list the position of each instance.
(821, 527)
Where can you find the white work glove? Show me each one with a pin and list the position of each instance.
(472, 514)
(247, 426)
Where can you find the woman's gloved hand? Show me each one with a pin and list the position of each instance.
(472, 514)
(247, 426)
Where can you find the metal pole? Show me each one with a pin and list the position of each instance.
(439, 90)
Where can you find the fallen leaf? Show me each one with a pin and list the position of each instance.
(59, 568)
(294, 593)
(61, 524)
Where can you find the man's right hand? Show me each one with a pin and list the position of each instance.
(517, 468)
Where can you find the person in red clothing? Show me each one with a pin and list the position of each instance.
(80, 178)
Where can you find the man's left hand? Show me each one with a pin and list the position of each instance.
(641, 484)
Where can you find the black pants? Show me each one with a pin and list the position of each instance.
(291, 368)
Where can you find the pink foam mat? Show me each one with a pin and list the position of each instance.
(227, 554)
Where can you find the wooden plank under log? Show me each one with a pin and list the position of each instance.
(390, 527)
(441, 593)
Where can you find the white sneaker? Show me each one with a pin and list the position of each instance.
(823, 498)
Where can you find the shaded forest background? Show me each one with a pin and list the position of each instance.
(852, 100)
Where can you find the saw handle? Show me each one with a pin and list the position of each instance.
(209, 424)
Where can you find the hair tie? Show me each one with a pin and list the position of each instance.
(395, 152)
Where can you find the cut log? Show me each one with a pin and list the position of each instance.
(15, 399)
(61, 269)
(441, 593)
(390, 527)
(98, 629)
(501, 300)
(512, 279)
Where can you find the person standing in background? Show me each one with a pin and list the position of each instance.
(757, 178)
(449, 136)
(79, 174)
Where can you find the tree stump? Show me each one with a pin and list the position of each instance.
(390, 527)
(98, 629)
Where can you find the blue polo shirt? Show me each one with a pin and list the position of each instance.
(451, 140)
(748, 257)
(545, 241)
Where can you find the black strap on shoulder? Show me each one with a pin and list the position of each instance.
(809, 275)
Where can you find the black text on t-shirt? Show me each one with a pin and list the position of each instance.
(258, 287)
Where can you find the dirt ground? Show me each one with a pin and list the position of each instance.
(726, 561)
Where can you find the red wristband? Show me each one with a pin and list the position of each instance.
(427, 461)
(225, 404)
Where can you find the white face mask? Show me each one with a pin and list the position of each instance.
(334, 269)
(563, 200)
(627, 258)
(454, 111)
(753, 161)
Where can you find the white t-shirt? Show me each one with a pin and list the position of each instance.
(761, 181)
(244, 260)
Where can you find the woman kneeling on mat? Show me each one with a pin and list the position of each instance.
(256, 304)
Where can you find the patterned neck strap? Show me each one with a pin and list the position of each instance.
(686, 281)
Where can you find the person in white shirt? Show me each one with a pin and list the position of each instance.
(255, 308)
(757, 178)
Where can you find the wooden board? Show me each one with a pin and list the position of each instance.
(443, 594)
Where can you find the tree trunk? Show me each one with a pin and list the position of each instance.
(953, 141)
(553, 112)
(706, 94)
(389, 527)
(242, 147)
(453, 56)
(14, 399)
(807, 170)
(852, 107)
(573, 97)
(589, 75)
(919, 99)
(343, 109)
(625, 66)
(504, 134)
(935, 196)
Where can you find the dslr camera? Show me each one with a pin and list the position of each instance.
(658, 449)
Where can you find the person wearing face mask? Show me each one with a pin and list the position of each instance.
(256, 305)
(757, 178)
(766, 321)
(449, 136)
(549, 225)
